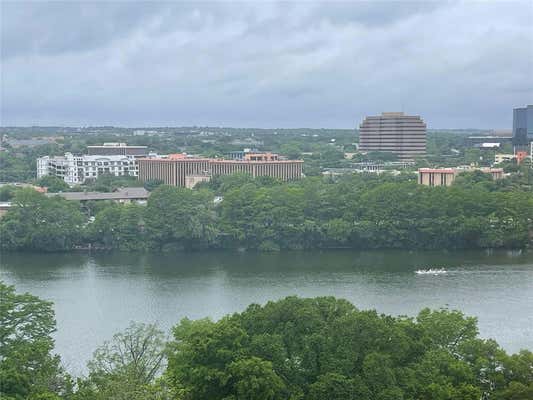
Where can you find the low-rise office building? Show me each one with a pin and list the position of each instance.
(75, 170)
(285, 170)
(185, 171)
(446, 176)
(173, 169)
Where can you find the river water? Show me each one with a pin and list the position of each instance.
(96, 295)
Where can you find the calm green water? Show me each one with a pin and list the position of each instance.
(97, 295)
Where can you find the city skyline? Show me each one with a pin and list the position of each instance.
(267, 65)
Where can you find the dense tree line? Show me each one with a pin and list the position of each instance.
(319, 349)
(41, 223)
(361, 212)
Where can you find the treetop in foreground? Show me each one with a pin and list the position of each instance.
(296, 348)
(325, 348)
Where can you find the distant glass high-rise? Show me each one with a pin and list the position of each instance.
(395, 132)
(522, 127)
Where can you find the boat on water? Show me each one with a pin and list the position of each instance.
(431, 271)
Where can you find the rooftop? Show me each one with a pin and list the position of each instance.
(460, 169)
(183, 157)
(114, 144)
(129, 193)
(89, 157)
(392, 114)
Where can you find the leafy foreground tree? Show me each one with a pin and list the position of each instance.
(127, 367)
(325, 348)
(318, 349)
(28, 369)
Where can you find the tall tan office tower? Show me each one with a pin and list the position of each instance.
(395, 132)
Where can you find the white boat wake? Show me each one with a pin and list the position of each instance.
(431, 271)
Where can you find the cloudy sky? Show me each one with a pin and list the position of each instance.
(259, 64)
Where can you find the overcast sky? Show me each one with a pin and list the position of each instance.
(257, 64)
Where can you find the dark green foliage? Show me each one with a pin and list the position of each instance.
(380, 156)
(28, 369)
(473, 179)
(369, 212)
(15, 169)
(335, 386)
(118, 227)
(19, 164)
(152, 184)
(223, 184)
(53, 184)
(180, 218)
(37, 222)
(291, 150)
(7, 192)
(360, 211)
(324, 348)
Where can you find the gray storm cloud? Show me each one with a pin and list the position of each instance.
(264, 64)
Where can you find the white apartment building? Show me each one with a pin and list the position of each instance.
(76, 169)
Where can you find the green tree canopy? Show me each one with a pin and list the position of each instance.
(28, 368)
(152, 184)
(180, 218)
(325, 348)
(126, 368)
(38, 222)
(53, 184)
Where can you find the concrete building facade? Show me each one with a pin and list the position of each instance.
(446, 176)
(285, 170)
(395, 132)
(173, 170)
(75, 170)
(180, 170)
